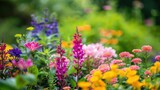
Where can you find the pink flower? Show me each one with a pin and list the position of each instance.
(109, 53)
(116, 61)
(157, 57)
(121, 64)
(147, 72)
(22, 64)
(136, 50)
(32, 45)
(134, 67)
(104, 67)
(114, 80)
(125, 55)
(107, 7)
(29, 63)
(146, 48)
(91, 72)
(136, 60)
(67, 88)
(51, 65)
(88, 76)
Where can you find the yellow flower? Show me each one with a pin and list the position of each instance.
(94, 79)
(99, 88)
(8, 47)
(30, 28)
(132, 79)
(137, 85)
(84, 85)
(114, 67)
(122, 73)
(157, 64)
(8, 64)
(131, 73)
(153, 69)
(101, 83)
(109, 75)
(97, 73)
(18, 35)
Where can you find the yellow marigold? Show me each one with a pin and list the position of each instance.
(157, 64)
(94, 79)
(153, 69)
(97, 73)
(109, 75)
(18, 35)
(132, 79)
(131, 73)
(137, 85)
(30, 28)
(101, 83)
(99, 88)
(114, 67)
(122, 73)
(84, 85)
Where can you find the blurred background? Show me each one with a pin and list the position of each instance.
(122, 24)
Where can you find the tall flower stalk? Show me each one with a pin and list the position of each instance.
(78, 55)
(61, 67)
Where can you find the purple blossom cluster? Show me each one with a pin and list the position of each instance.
(61, 66)
(46, 26)
(15, 52)
(78, 51)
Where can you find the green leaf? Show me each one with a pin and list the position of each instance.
(33, 70)
(71, 70)
(8, 84)
(20, 82)
(73, 83)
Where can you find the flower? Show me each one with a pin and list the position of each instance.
(146, 48)
(30, 28)
(32, 46)
(67, 88)
(104, 67)
(15, 52)
(136, 50)
(109, 75)
(132, 79)
(84, 27)
(157, 57)
(51, 65)
(136, 60)
(134, 67)
(84, 85)
(116, 61)
(22, 64)
(18, 35)
(147, 72)
(78, 52)
(107, 7)
(125, 55)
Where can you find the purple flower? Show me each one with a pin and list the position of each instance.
(78, 51)
(15, 52)
(61, 64)
(46, 26)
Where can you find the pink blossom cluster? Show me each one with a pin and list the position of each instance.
(125, 55)
(136, 60)
(32, 46)
(98, 51)
(22, 64)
